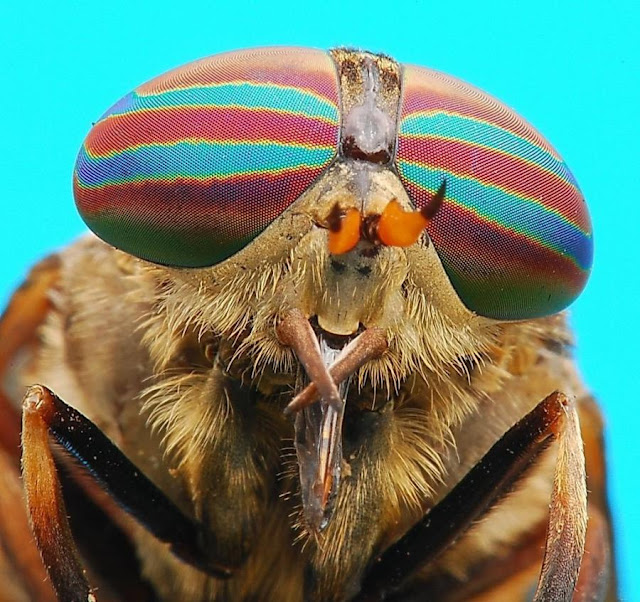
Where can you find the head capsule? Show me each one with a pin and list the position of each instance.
(189, 168)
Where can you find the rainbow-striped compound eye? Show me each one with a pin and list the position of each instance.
(190, 167)
(513, 233)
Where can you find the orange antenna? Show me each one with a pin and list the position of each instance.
(399, 228)
(344, 230)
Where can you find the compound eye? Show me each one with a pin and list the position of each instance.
(189, 168)
(513, 232)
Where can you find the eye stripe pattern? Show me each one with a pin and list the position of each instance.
(513, 233)
(223, 125)
(477, 132)
(532, 220)
(190, 167)
(253, 96)
(227, 160)
(244, 134)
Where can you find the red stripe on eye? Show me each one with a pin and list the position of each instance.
(297, 67)
(175, 124)
(498, 169)
(480, 250)
(428, 90)
(236, 200)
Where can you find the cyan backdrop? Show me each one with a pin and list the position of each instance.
(571, 68)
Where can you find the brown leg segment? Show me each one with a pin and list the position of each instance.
(25, 313)
(567, 515)
(595, 569)
(489, 481)
(45, 414)
(515, 575)
(22, 559)
(592, 427)
(19, 324)
(45, 504)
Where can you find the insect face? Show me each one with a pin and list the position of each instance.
(217, 159)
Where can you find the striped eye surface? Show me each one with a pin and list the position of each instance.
(189, 168)
(513, 233)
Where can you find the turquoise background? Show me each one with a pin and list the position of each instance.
(570, 68)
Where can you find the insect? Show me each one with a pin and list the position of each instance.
(315, 351)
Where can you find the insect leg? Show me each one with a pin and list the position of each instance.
(567, 528)
(492, 478)
(595, 568)
(18, 325)
(43, 414)
(592, 426)
(24, 572)
(24, 314)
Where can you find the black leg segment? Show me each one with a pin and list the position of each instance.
(487, 482)
(46, 414)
